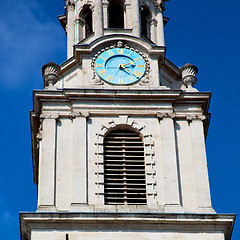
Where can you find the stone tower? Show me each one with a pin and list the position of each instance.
(118, 134)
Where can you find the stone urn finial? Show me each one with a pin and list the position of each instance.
(50, 73)
(189, 73)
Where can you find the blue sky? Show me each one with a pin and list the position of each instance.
(204, 33)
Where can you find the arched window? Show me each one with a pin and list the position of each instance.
(85, 22)
(115, 14)
(88, 22)
(145, 15)
(124, 167)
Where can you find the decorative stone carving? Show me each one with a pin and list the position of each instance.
(145, 80)
(50, 72)
(49, 116)
(39, 133)
(70, 4)
(40, 127)
(160, 116)
(189, 73)
(39, 137)
(160, 4)
(190, 118)
(120, 44)
(96, 80)
(79, 114)
(153, 21)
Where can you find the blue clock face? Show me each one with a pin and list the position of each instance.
(120, 66)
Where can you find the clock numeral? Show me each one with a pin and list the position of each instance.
(141, 66)
(110, 78)
(119, 50)
(137, 59)
(102, 57)
(102, 72)
(132, 80)
(130, 53)
(138, 74)
(120, 81)
(100, 65)
(110, 52)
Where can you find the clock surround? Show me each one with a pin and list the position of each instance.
(120, 65)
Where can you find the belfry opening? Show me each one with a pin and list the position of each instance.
(116, 14)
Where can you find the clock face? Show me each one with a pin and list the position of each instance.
(120, 66)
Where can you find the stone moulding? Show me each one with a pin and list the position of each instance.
(144, 222)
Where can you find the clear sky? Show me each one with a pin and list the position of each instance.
(205, 33)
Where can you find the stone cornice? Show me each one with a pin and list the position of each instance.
(142, 94)
(138, 97)
(144, 221)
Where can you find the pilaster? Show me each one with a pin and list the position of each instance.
(128, 15)
(135, 19)
(98, 18)
(153, 29)
(47, 163)
(186, 166)
(160, 26)
(105, 13)
(79, 177)
(200, 163)
(169, 159)
(70, 8)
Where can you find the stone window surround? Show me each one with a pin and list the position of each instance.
(148, 152)
(81, 26)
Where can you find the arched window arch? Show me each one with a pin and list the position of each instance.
(85, 22)
(88, 22)
(145, 16)
(115, 14)
(124, 167)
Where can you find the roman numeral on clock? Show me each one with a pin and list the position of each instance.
(110, 78)
(139, 58)
(138, 74)
(119, 50)
(100, 65)
(120, 81)
(102, 72)
(102, 57)
(110, 52)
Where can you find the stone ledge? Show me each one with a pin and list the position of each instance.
(209, 223)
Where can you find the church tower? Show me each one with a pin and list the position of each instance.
(118, 134)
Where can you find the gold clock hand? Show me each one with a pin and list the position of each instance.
(122, 65)
(127, 64)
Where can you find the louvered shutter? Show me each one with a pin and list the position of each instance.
(124, 168)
